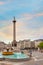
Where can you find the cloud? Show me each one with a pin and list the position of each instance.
(6, 31)
(1, 3)
(5, 2)
(39, 14)
(27, 16)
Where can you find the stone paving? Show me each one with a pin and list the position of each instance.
(38, 56)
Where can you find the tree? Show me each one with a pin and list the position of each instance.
(40, 45)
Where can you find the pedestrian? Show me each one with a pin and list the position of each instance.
(30, 53)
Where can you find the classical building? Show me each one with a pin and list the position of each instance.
(19, 45)
(24, 44)
(2, 45)
(32, 44)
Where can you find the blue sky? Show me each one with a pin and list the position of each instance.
(29, 17)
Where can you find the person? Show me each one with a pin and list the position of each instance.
(30, 53)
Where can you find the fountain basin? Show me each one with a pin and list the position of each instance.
(15, 57)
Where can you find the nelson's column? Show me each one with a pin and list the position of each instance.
(14, 33)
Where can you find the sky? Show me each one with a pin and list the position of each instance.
(29, 19)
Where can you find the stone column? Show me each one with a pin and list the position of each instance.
(14, 33)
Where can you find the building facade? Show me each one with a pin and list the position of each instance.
(24, 44)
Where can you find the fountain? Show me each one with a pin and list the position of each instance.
(7, 52)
